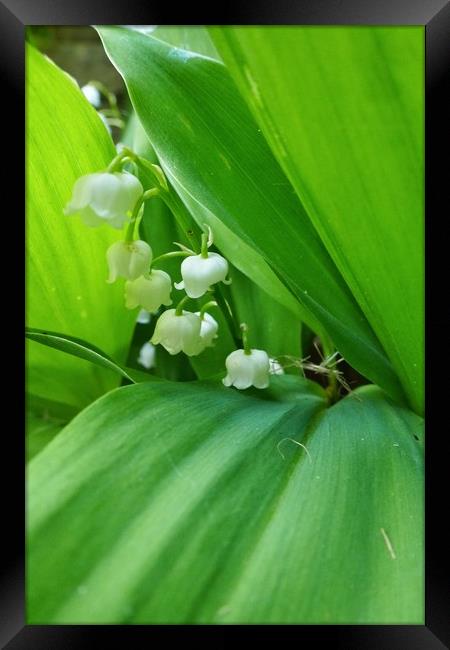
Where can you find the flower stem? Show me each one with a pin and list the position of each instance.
(166, 256)
(139, 203)
(179, 307)
(170, 198)
(116, 162)
(328, 351)
(204, 249)
(207, 305)
(244, 329)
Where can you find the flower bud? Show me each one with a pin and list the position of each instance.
(104, 198)
(150, 291)
(208, 331)
(178, 333)
(199, 273)
(128, 259)
(245, 370)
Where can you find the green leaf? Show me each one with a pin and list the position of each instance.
(271, 326)
(192, 37)
(66, 263)
(343, 110)
(44, 419)
(77, 348)
(139, 512)
(210, 146)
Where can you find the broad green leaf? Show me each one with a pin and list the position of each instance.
(343, 110)
(207, 140)
(66, 264)
(192, 503)
(44, 419)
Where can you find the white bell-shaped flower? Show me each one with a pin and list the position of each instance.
(128, 259)
(147, 355)
(178, 333)
(92, 94)
(199, 273)
(150, 291)
(104, 198)
(245, 370)
(208, 331)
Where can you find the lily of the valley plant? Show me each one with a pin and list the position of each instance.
(225, 329)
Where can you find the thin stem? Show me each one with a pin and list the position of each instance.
(116, 162)
(149, 194)
(204, 248)
(170, 198)
(244, 329)
(179, 307)
(112, 101)
(135, 214)
(166, 256)
(329, 350)
(207, 305)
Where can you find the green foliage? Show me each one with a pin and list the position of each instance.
(82, 350)
(211, 147)
(66, 265)
(174, 500)
(209, 513)
(348, 132)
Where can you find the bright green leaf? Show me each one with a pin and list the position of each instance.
(191, 503)
(191, 37)
(77, 348)
(343, 110)
(44, 419)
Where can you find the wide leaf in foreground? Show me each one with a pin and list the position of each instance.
(192, 503)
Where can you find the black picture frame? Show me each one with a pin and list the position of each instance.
(434, 15)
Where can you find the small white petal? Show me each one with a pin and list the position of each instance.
(81, 193)
(92, 94)
(147, 356)
(208, 331)
(143, 317)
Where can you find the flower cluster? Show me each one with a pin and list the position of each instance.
(117, 198)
